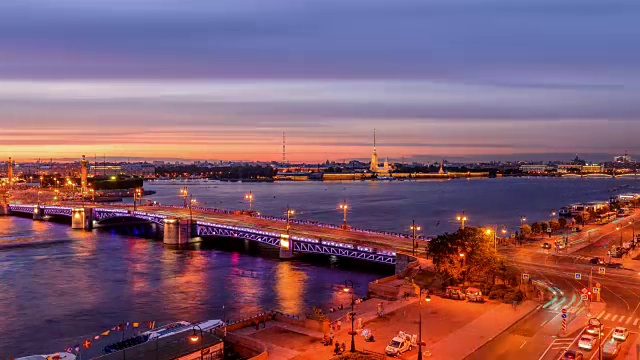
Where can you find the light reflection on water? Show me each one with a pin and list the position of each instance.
(55, 295)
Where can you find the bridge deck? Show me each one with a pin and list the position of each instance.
(376, 240)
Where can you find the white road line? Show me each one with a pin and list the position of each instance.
(613, 318)
(629, 320)
(523, 344)
(600, 315)
(607, 317)
(636, 322)
(621, 318)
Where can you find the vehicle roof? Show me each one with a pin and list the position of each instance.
(620, 328)
(472, 289)
(590, 337)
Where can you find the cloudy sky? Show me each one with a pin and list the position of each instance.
(222, 79)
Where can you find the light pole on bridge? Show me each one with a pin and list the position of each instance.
(290, 212)
(249, 197)
(414, 228)
(344, 207)
(185, 195)
(462, 218)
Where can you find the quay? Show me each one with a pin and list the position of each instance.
(180, 226)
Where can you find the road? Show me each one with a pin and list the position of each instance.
(538, 335)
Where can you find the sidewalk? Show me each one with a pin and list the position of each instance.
(479, 332)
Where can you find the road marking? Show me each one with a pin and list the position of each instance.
(523, 344)
(600, 315)
(607, 317)
(613, 318)
(621, 318)
(629, 320)
(636, 322)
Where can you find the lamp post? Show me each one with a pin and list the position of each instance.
(184, 192)
(39, 192)
(352, 313)
(462, 218)
(137, 194)
(344, 208)
(249, 197)
(194, 338)
(523, 219)
(191, 201)
(414, 228)
(290, 212)
(495, 238)
(619, 228)
(427, 299)
(41, 180)
(633, 232)
(599, 336)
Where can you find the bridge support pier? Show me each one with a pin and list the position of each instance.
(78, 219)
(176, 231)
(38, 212)
(286, 247)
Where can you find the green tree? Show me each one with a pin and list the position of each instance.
(536, 228)
(562, 222)
(579, 219)
(555, 225)
(525, 229)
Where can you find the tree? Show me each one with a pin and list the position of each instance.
(525, 229)
(536, 228)
(562, 222)
(544, 226)
(555, 224)
(579, 219)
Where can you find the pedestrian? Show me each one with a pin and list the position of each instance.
(339, 324)
(343, 347)
(514, 303)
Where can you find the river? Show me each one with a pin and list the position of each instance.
(78, 284)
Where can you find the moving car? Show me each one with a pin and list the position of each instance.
(399, 344)
(587, 342)
(594, 329)
(572, 355)
(611, 348)
(546, 246)
(596, 260)
(620, 333)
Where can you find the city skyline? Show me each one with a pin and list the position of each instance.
(161, 80)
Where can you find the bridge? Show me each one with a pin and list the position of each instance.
(183, 225)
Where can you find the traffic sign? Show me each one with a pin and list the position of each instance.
(584, 290)
(597, 285)
(602, 270)
(564, 316)
(525, 276)
(564, 310)
(578, 276)
(596, 290)
(584, 297)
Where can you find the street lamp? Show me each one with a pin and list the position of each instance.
(495, 238)
(352, 313)
(633, 231)
(462, 218)
(184, 192)
(344, 208)
(41, 180)
(427, 299)
(194, 338)
(191, 202)
(523, 219)
(249, 197)
(619, 228)
(599, 336)
(290, 212)
(39, 192)
(414, 228)
(137, 194)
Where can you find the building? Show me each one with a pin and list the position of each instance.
(623, 159)
(569, 168)
(374, 167)
(534, 169)
(593, 168)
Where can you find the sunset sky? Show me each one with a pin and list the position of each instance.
(194, 79)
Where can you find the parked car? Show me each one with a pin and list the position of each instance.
(587, 342)
(399, 344)
(455, 292)
(474, 295)
(572, 355)
(620, 333)
(594, 329)
(610, 349)
(596, 260)
(546, 246)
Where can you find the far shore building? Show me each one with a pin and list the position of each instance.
(375, 167)
(535, 169)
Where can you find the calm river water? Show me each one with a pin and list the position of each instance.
(80, 284)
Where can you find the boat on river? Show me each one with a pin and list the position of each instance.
(56, 356)
(162, 332)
